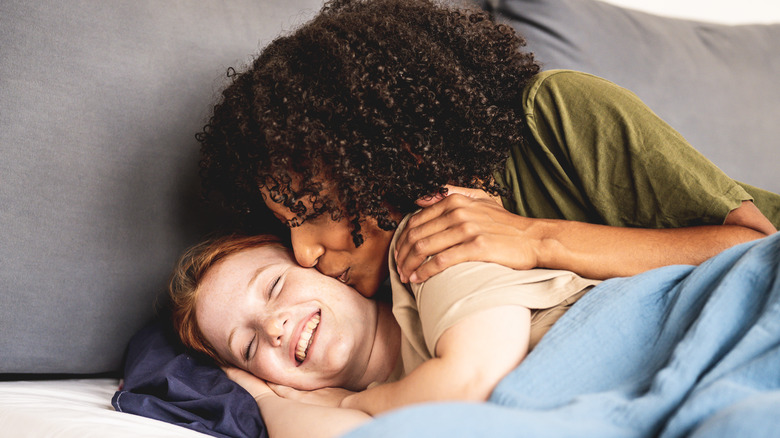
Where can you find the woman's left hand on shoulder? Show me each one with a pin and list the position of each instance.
(466, 225)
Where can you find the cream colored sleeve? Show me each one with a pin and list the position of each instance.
(470, 287)
(467, 288)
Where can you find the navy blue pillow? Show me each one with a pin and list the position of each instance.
(164, 382)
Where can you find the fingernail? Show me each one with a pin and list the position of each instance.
(413, 278)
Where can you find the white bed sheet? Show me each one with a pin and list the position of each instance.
(77, 408)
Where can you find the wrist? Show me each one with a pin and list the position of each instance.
(544, 244)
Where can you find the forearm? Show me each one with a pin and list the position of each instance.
(471, 360)
(460, 228)
(291, 419)
(431, 381)
(600, 252)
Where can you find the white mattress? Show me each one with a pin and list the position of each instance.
(73, 409)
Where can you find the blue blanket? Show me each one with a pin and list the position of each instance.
(678, 351)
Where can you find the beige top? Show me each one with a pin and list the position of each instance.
(425, 310)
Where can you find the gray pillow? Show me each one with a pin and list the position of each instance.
(716, 84)
(98, 176)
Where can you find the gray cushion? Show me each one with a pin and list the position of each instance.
(98, 177)
(716, 84)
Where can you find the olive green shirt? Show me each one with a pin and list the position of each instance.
(593, 152)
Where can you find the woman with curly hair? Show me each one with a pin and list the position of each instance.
(376, 107)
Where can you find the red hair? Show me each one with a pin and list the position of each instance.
(187, 277)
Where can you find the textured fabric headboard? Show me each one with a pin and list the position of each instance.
(100, 101)
(715, 83)
(98, 177)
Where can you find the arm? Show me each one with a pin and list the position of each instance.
(606, 159)
(599, 251)
(288, 418)
(475, 227)
(472, 356)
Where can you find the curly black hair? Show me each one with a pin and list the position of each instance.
(381, 102)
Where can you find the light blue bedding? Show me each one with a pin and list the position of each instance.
(677, 351)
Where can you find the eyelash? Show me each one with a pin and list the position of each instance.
(273, 286)
(270, 291)
(248, 347)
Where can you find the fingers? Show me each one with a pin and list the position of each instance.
(469, 193)
(440, 226)
(427, 201)
(499, 247)
(434, 211)
(331, 397)
(458, 229)
(441, 261)
(254, 385)
(441, 239)
(234, 373)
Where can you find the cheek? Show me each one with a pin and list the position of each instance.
(379, 244)
(268, 367)
(330, 235)
(368, 283)
(375, 262)
(336, 360)
(338, 235)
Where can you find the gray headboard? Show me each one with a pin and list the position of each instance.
(716, 84)
(100, 103)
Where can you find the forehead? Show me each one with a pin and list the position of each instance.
(238, 268)
(225, 284)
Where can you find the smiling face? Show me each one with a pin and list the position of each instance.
(327, 245)
(290, 325)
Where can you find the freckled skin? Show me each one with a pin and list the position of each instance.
(268, 315)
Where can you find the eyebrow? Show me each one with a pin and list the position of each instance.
(254, 278)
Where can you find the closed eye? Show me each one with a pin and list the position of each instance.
(272, 286)
(248, 348)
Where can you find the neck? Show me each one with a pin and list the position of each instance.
(386, 350)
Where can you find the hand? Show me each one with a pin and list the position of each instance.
(255, 386)
(427, 201)
(466, 225)
(330, 397)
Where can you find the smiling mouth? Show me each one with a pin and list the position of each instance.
(307, 335)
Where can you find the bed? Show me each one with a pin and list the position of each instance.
(679, 351)
(98, 181)
(78, 408)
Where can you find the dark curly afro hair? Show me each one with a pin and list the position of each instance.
(381, 102)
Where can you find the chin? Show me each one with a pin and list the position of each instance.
(368, 291)
(310, 386)
(369, 288)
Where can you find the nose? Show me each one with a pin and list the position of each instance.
(306, 246)
(273, 326)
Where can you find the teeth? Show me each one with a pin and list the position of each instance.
(308, 332)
